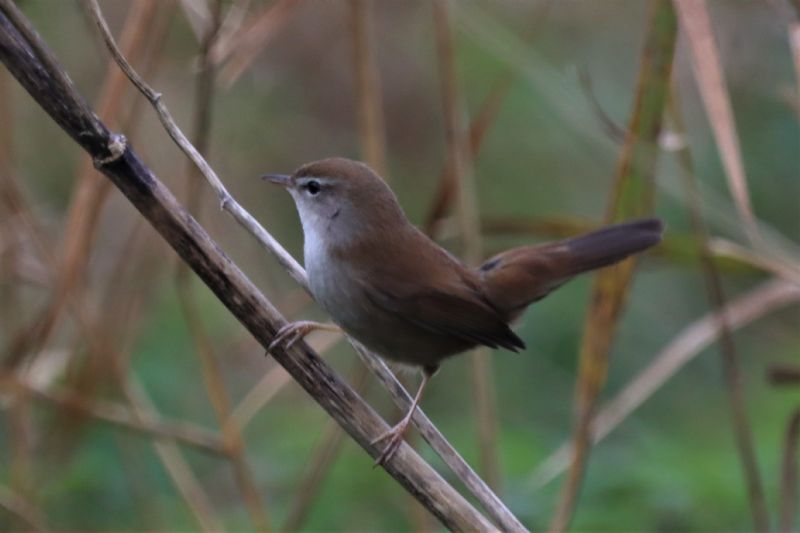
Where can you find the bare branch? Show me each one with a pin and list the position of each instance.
(488, 499)
(695, 22)
(229, 284)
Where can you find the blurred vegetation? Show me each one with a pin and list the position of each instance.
(546, 156)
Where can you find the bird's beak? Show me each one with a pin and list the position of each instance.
(279, 179)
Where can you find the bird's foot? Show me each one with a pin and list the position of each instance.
(395, 438)
(289, 334)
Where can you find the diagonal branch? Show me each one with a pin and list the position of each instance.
(493, 505)
(50, 87)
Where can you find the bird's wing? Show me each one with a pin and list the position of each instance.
(460, 314)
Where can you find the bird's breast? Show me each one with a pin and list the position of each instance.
(332, 283)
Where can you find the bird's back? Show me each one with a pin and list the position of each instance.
(416, 308)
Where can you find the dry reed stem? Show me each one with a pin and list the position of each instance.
(26, 223)
(22, 509)
(369, 99)
(127, 171)
(794, 45)
(113, 413)
(788, 492)
(220, 401)
(171, 457)
(481, 123)
(88, 198)
(103, 346)
(11, 307)
(197, 14)
(10, 229)
(176, 467)
(632, 197)
(243, 47)
(103, 333)
(203, 347)
(488, 499)
(231, 24)
(44, 247)
(743, 435)
(695, 22)
(686, 345)
(454, 111)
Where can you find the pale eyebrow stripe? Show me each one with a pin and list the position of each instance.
(305, 179)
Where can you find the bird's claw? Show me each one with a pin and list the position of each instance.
(395, 437)
(289, 334)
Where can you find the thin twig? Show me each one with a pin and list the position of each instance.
(226, 201)
(488, 499)
(155, 98)
(612, 129)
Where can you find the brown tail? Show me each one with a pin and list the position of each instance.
(518, 277)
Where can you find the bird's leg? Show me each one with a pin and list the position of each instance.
(291, 333)
(395, 435)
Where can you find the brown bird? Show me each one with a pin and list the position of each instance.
(392, 288)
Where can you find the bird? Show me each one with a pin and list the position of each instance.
(396, 291)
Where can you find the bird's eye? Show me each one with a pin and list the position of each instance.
(313, 187)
